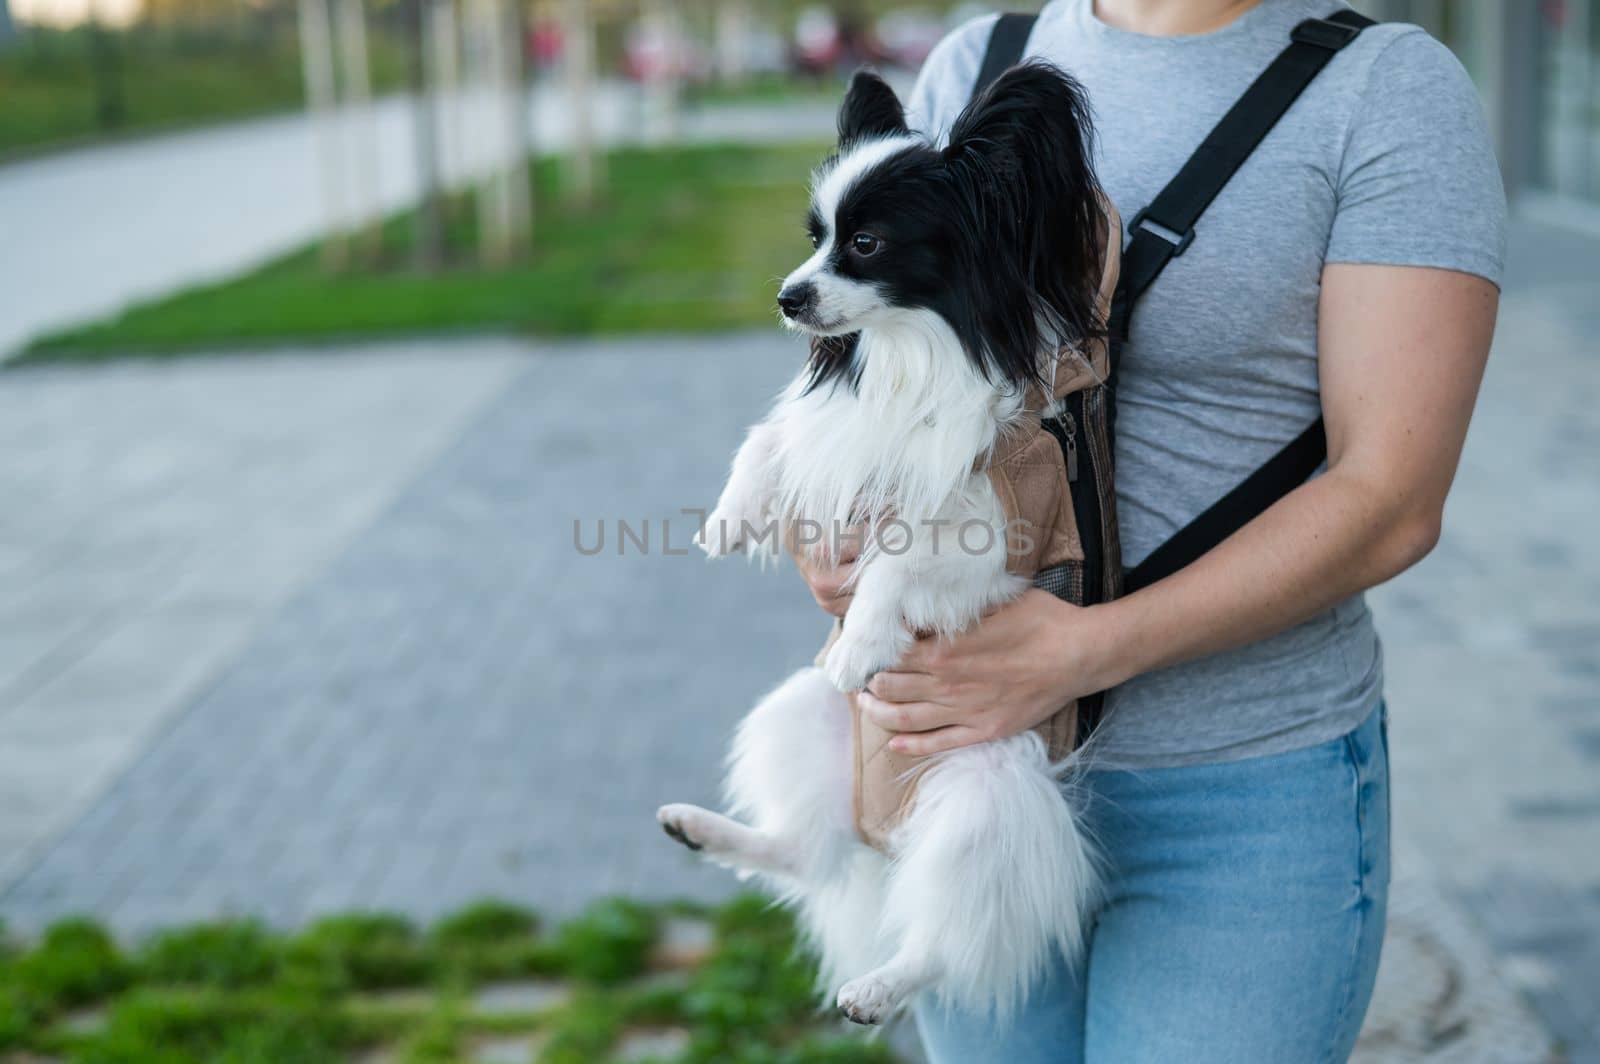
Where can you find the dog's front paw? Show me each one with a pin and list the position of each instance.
(854, 661)
(867, 1001)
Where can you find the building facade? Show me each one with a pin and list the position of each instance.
(1537, 64)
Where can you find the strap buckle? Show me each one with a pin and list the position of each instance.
(1324, 34)
(1143, 222)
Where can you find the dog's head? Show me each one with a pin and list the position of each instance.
(999, 233)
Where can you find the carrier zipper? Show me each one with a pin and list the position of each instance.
(1085, 500)
(1086, 510)
(1071, 426)
(1064, 427)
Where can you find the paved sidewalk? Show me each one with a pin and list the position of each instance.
(461, 703)
(1493, 650)
(155, 513)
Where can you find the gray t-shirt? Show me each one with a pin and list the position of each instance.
(1385, 159)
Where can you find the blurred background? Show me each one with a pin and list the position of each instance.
(360, 359)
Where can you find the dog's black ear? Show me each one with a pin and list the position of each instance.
(1032, 111)
(1023, 155)
(870, 109)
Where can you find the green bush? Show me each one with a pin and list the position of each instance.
(583, 1032)
(236, 993)
(358, 951)
(17, 1018)
(756, 981)
(754, 916)
(77, 963)
(210, 1026)
(838, 1051)
(485, 923)
(492, 940)
(814, 1050)
(437, 1040)
(609, 942)
(227, 955)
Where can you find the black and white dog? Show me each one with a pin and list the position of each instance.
(944, 283)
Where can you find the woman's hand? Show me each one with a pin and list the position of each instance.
(1010, 672)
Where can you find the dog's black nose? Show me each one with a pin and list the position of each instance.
(796, 298)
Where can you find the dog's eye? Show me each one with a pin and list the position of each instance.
(866, 245)
(816, 240)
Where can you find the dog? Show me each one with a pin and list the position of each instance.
(945, 282)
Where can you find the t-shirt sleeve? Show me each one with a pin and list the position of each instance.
(947, 77)
(1419, 184)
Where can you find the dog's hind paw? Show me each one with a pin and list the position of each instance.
(867, 1001)
(678, 821)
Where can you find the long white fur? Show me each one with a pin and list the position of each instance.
(903, 443)
(989, 873)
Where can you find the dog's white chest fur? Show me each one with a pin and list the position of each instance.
(899, 443)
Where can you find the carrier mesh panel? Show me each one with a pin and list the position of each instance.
(1062, 581)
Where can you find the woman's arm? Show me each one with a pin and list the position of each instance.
(1402, 353)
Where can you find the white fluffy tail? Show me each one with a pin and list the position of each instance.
(992, 875)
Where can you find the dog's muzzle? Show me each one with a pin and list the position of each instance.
(798, 301)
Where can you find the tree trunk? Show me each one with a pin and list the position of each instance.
(430, 210)
(513, 94)
(316, 58)
(361, 129)
(733, 25)
(444, 73)
(662, 87)
(578, 58)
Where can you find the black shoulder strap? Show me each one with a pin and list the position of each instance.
(1165, 229)
(1284, 472)
(1007, 41)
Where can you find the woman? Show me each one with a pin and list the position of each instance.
(1239, 785)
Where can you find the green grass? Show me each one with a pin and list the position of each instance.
(360, 983)
(686, 239)
(52, 83)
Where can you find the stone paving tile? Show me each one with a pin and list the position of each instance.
(682, 941)
(505, 1049)
(651, 1044)
(499, 999)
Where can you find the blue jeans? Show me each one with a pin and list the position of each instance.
(1243, 919)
